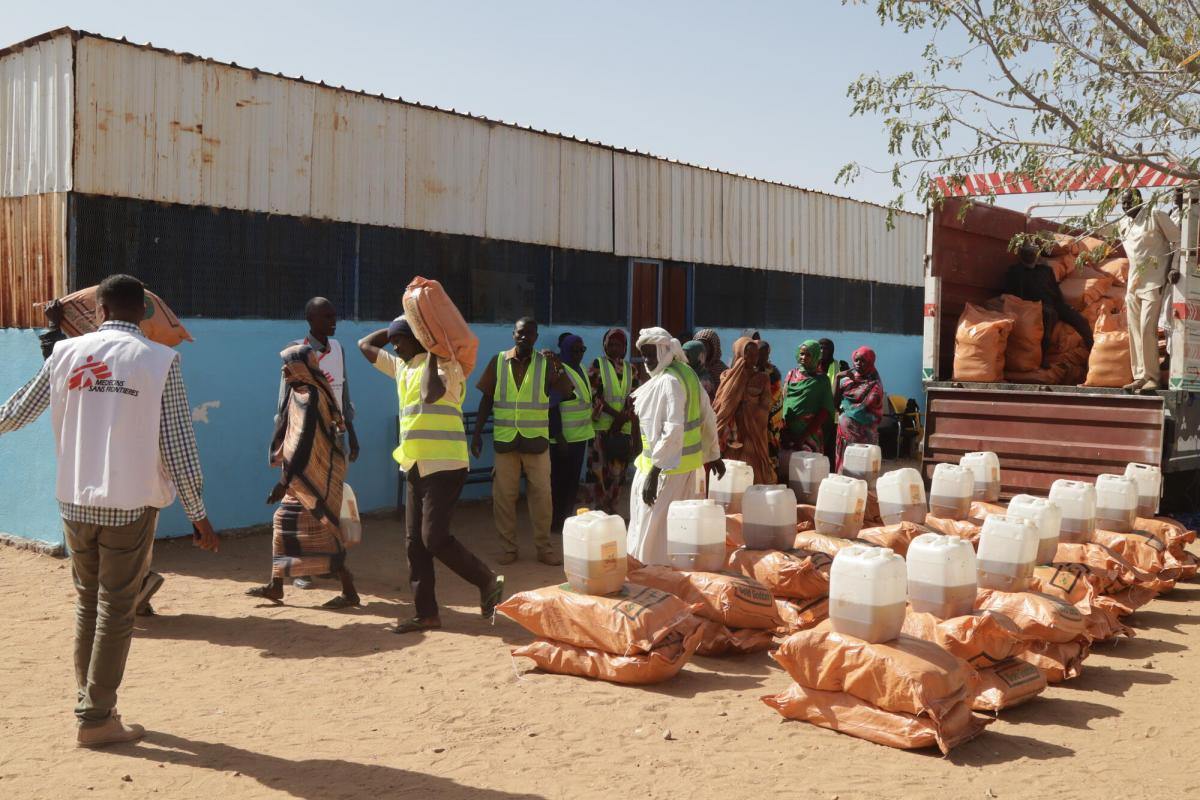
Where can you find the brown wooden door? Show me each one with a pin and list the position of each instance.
(674, 299)
(643, 306)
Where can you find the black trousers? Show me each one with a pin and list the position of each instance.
(429, 504)
(565, 468)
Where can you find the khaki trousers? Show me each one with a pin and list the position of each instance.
(108, 565)
(1143, 305)
(506, 490)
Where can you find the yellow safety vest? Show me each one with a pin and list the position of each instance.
(524, 410)
(616, 392)
(577, 412)
(428, 431)
(693, 449)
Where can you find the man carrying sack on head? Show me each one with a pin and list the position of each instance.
(679, 437)
(433, 454)
(125, 445)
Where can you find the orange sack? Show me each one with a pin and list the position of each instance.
(1117, 269)
(982, 639)
(662, 662)
(1085, 287)
(1108, 364)
(898, 537)
(908, 675)
(1108, 572)
(813, 542)
(1040, 617)
(968, 529)
(979, 345)
(1023, 353)
(634, 620)
(718, 640)
(438, 324)
(1069, 583)
(845, 713)
(797, 574)
(81, 315)
(1006, 685)
(800, 615)
(1145, 552)
(731, 600)
(1058, 661)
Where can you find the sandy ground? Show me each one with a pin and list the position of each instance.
(249, 701)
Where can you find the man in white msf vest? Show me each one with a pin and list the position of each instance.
(124, 442)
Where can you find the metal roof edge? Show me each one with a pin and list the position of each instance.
(77, 33)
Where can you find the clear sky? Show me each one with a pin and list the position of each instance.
(754, 87)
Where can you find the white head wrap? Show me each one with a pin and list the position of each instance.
(668, 347)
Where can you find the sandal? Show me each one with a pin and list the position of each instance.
(266, 593)
(416, 625)
(490, 598)
(340, 602)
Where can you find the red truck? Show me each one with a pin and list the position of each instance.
(1042, 433)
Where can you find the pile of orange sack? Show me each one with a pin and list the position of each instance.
(1002, 341)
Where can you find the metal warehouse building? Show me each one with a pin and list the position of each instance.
(237, 194)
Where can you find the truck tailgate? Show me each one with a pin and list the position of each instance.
(1041, 436)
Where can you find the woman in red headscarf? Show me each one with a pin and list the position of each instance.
(860, 397)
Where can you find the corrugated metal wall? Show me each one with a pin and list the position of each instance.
(33, 256)
(160, 126)
(36, 104)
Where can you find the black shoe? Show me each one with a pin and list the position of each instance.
(490, 597)
(150, 584)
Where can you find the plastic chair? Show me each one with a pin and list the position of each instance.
(910, 431)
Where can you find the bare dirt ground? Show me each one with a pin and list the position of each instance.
(244, 700)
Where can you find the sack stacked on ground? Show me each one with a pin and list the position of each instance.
(1023, 351)
(1069, 583)
(989, 642)
(979, 345)
(159, 325)
(968, 529)
(906, 693)
(792, 574)
(638, 635)
(814, 542)
(1144, 552)
(1056, 637)
(897, 537)
(801, 615)
(1175, 537)
(738, 615)
(732, 600)
(438, 324)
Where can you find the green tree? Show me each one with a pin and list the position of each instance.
(1039, 89)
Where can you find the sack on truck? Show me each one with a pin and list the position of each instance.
(979, 345)
(438, 324)
(844, 713)
(1023, 352)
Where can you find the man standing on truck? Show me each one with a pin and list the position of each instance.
(1150, 238)
(1033, 280)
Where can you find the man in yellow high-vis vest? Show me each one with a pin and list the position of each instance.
(433, 454)
(570, 431)
(679, 440)
(517, 385)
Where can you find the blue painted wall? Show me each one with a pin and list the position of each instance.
(232, 375)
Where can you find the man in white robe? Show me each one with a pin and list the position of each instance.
(661, 406)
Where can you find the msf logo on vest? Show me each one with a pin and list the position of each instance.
(95, 376)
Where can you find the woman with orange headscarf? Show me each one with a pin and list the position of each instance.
(743, 408)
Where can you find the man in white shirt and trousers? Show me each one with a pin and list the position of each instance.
(670, 407)
(1150, 238)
